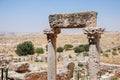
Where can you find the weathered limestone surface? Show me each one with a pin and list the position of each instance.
(12, 75)
(51, 37)
(94, 35)
(73, 20)
(43, 76)
(19, 66)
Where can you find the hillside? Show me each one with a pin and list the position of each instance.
(8, 42)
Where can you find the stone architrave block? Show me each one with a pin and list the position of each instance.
(73, 20)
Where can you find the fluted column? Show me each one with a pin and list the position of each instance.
(94, 35)
(51, 59)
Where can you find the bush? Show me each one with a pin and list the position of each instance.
(114, 49)
(85, 54)
(79, 49)
(68, 46)
(70, 56)
(25, 48)
(119, 48)
(36, 60)
(115, 78)
(114, 53)
(59, 49)
(84, 47)
(107, 51)
(106, 55)
(39, 50)
(80, 64)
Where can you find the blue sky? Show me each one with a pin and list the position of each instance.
(32, 15)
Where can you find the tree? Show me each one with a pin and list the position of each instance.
(59, 49)
(68, 46)
(39, 50)
(25, 48)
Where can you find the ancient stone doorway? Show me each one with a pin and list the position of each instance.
(74, 20)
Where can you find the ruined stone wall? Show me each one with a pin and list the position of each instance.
(73, 20)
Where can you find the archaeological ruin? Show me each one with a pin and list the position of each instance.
(97, 58)
(85, 20)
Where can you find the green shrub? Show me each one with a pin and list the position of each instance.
(114, 53)
(70, 56)
(114, 49)
(119, 48)
(15, 61)
(106, 55)
(115, 78)
(25, 48)
(85, 54)
(68, 46)
(79, 49)
(85, 46)
(39, 50)
(82, 48)
(80, 64)
(36, 60)
(60, 49)
(107, 51)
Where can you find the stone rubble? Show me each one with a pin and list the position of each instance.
(20, 67)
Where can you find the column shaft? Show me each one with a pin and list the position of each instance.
(94, 35)
(51, 62)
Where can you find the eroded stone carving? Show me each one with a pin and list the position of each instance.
(73, 20)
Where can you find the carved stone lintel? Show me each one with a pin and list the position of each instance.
(73, 20)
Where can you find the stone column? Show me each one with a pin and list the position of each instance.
(51, 59)
(94, 35)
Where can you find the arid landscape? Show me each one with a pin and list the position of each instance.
(9, 42)
(59, 40)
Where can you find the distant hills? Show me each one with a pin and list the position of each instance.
(9, 41)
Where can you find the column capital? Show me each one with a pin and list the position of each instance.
(93, 34)
(51, 33)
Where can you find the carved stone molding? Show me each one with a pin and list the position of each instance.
(93, 34)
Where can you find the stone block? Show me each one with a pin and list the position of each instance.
(73, 20)
(20, 67)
